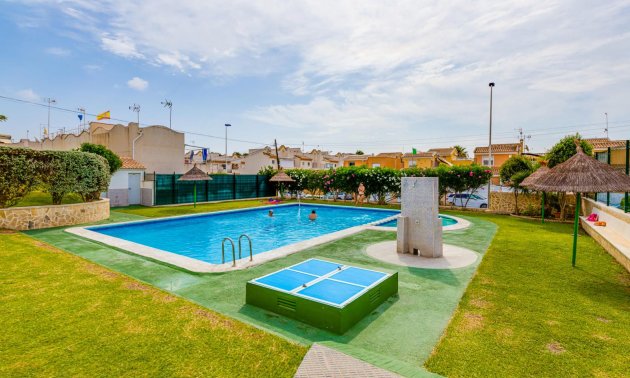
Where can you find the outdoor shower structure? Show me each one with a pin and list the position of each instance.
(419, 227)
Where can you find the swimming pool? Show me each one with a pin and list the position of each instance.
(200, 236)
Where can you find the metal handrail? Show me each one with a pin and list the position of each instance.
(223, 251)
(251, 256)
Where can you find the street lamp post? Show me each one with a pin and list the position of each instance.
(50, 101)
(169, 104)
(226, 155)
(491, 85)
(83, 120)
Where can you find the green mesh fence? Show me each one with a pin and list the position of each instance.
(169, 191)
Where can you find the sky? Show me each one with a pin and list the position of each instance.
(379, 76)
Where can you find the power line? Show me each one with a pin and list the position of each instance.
(124, 120)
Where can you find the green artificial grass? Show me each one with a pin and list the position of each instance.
(39, 198)
(64, 316)
(398, 336)
(527, 312)
(169, 211)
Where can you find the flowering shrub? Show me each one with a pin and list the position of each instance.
(382, 181)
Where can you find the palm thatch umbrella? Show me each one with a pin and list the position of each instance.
(581, 174)
(195, 174)
(281, 177)
(532, 179)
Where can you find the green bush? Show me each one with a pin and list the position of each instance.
(18, 176)
(381, 181)
(57, 172)
(112, 159)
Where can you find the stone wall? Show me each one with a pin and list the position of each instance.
(34, 217)
(503, 202)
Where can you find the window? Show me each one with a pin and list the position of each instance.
(413, 163)
(273, 162)
(351, 163)
(375, 165)
(487, 161)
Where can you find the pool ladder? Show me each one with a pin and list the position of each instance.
(240, 249)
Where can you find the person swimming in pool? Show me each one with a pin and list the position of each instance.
(312, 216)
(270, 213)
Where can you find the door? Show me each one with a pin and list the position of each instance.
(134, 188)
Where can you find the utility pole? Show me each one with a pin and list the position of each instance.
(491, 85)
(169, 104)
(226, 156)
(50, 101)
(606, 129)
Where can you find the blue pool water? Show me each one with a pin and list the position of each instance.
(200, 236)
(322, 280)
(446, 221)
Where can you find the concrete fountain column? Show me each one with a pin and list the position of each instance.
(419, 227)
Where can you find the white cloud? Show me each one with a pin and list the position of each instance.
(28, 95)
(57, 51)
(138, 84)
(120, 45)
(401, 68)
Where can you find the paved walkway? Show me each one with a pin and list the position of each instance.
(321, 361)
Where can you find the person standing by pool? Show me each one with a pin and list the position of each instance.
(312, 216)
(361, 194)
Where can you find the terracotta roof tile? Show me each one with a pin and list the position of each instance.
(129, 163)
(499, 148)
(442, 151)
(604, 143)
(418, 155)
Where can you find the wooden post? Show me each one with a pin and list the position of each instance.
(542, 208)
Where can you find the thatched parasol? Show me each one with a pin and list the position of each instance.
(581, 174)
(281, 177)
(531, 179)
(195, 174)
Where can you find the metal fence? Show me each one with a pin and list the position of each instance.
(169, 191)
(620, 159)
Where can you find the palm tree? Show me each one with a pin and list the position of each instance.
(461, 151)
(3, 118)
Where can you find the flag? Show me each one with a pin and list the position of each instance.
(414, 151)
(80, 117)
(204, 154)
(192, 154)
(104, 115)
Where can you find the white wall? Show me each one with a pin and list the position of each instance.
(120, 178)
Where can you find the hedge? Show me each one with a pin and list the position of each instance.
(57, 172)
(382, 181)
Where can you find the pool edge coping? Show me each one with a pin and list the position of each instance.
(199, 266)
(460, 225)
